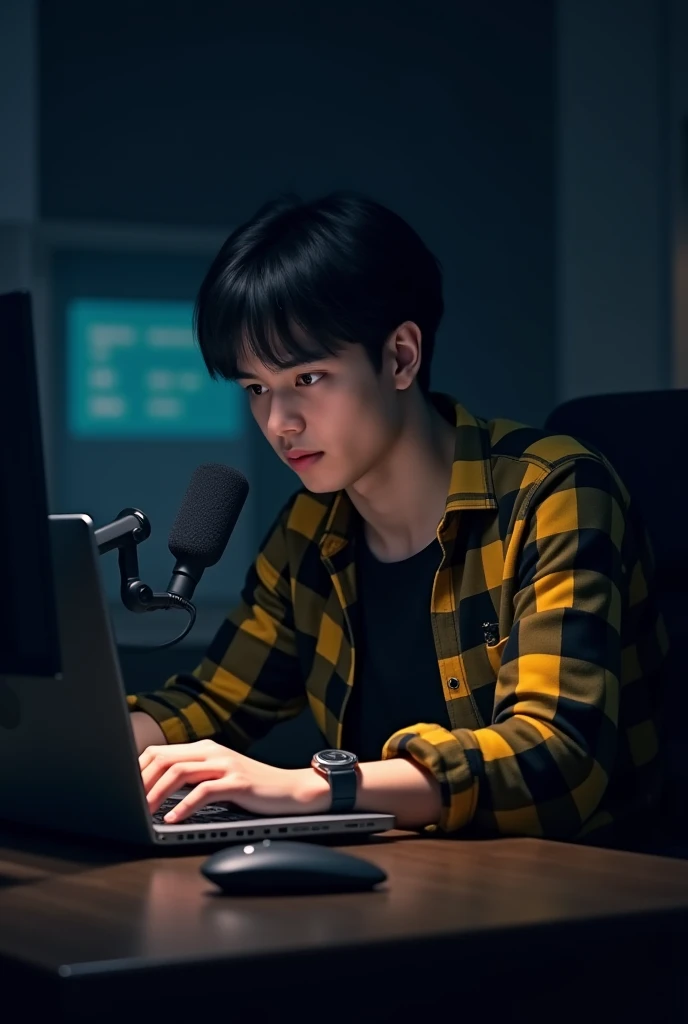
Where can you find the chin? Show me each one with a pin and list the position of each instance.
(318, 487)
(327, 483)
(329, 486)
(329, 478)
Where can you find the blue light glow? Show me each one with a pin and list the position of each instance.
(134, 371)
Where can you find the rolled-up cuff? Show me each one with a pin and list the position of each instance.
(438, 750)
(172, 725)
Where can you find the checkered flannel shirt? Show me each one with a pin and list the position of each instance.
(549, 646)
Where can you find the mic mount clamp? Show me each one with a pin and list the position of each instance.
(125, 533)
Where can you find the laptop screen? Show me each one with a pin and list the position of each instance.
(29, 644)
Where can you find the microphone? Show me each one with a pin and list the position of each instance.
(205, 520)
(204, 523)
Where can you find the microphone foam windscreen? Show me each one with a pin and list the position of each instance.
(208, 513)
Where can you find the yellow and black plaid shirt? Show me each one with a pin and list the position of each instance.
(549, 646)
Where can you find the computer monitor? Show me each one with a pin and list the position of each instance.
(29, 639)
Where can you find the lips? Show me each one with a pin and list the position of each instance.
(303, 461)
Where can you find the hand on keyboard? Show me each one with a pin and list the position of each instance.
(208, 815)
(216, 774)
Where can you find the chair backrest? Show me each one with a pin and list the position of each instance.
(643, 434)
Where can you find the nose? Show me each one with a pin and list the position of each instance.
(283, 418)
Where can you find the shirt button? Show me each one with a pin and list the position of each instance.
(453, 684)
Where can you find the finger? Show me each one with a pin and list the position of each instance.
(182, 774)
(179, 751)
(206, 792)
(164, 760)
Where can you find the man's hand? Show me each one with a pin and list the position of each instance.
(221, 774)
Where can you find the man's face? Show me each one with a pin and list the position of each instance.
(337, 407)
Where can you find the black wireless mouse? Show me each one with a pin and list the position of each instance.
(270, 867)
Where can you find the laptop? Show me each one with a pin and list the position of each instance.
(68, 760)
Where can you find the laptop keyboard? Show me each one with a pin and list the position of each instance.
(209, 815)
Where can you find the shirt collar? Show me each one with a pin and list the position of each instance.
(471, 485)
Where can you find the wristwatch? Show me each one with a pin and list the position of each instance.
(339, 767)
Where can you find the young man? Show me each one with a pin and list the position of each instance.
(465, 605)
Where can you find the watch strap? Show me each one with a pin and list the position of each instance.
(343, 787)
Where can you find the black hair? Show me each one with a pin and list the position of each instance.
(340, 269)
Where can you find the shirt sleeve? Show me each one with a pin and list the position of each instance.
(250, 678)
(542, 766)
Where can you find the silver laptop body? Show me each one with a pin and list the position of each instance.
(67, 754)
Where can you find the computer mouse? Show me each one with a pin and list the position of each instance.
(270, 867)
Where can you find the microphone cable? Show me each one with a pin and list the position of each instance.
(175, 601)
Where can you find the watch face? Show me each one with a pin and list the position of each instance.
(336, 758)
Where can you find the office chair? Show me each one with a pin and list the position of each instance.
(643, 435)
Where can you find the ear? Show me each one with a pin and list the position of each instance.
(404, 348)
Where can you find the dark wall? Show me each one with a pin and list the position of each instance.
(196, 112)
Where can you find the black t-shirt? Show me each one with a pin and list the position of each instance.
(397, 681)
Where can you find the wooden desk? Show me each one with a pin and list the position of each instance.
(516, 928)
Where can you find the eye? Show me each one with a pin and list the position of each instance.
(252, 391)
(307, 378)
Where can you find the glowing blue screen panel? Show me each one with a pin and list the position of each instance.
(135, 371)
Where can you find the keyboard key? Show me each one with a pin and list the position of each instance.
(208, 815)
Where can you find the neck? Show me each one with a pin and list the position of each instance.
(402, 499)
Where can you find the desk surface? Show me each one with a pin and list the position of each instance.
(70, 911)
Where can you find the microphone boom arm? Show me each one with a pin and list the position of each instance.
(130, 524)
(126, 532)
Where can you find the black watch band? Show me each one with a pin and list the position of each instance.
(343, 786)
